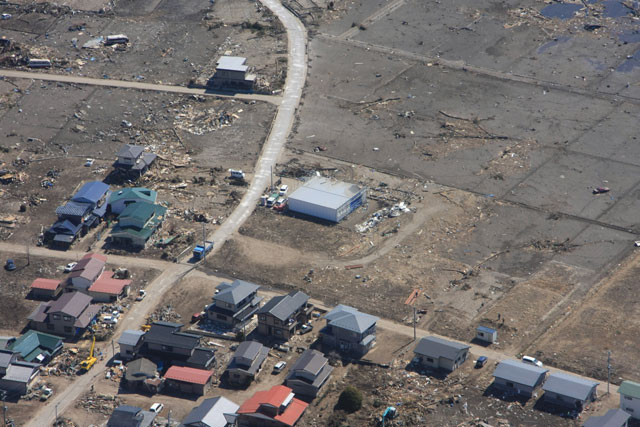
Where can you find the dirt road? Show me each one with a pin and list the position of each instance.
(135, 85)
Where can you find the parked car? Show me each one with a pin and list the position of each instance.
(46, 394)
(89, 162)
(5, 16)
(306, 328)
(157, 408)
(482, 360)
(283, 189)
(69, 267)
(532, 361)
(280, 204)
(10, 265)
(279, 367)
(141, 294)
(197, 316)
(110, 320)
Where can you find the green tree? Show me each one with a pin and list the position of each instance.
(350, 399)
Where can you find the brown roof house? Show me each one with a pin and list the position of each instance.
(46, 288)
(69, 315)
(87, 271)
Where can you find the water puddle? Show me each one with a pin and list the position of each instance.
(629, 36)
(554, 42)
(630, 63)
(561, 10)
(616, 8)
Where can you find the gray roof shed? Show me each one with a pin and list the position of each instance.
(569, 385)
(519, 372)
(613, 418)
(437, 347)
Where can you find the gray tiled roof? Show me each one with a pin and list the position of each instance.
(283, 307)
(130, 337)
(71, 304)
(129, 151)
(311, 361)
(235, 293)
(5, 358)
(437, 347)
(519, 372)
(211, 413)
(349, 318)
(569, 385)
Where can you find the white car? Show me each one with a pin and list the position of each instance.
(157, 408)
(532, 361)
(5, 16)
(279, 367)
(70, 267)
(111, 320)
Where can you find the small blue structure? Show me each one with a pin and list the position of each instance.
(486, 334)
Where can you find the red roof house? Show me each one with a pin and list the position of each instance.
(276, 406)
(188, 380)
(46, 288)
(108, 289)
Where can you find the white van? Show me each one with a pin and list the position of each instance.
(283, 189)
(236, 174)
(270, 201)
(39, 63)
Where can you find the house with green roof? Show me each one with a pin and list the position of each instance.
(137, 223)
(37, 347)
(630, 398)
(120, 199)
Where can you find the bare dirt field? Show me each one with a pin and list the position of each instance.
(170, 41)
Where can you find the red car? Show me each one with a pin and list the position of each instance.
(600, 190)
(280, 206)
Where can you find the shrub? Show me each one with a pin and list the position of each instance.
(350, 399)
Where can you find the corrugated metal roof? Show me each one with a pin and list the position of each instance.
(630, 388)
(248, 350)
(129, 151)
(73, 208)
(325, 192)
(613, 418)
(188, 375)
(91, 192)
(485, 329)
(46, 284)
(20, 372)
(232, 63)
(519, 372)
(437, 347)
(106, 284)
(136, 193)
(569, 385)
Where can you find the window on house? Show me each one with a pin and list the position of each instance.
(56, 317)
(221, 317)
(509, 384)
(67, 318)
(263, 317)
(50, 326)
(278, 332)
(430, 359)
(627, 398)
(67, 329)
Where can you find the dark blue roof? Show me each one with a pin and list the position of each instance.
(65, 227)
(73, 209)
(91, 192)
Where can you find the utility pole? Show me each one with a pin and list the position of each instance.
(57, 412)
(608, 369)
(271, 188)
(3, 395)
(411, 301)
(169, 419)
(204, 241)
(113, 349)
(28, 254)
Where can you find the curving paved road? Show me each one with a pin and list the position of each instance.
(134, 85)
(171, 274)
(296, 75)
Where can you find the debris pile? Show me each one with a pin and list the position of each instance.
(379, 216)
(102, 403)
(199, 122)
(164, 314)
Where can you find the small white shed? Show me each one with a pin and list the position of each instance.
(486, 334)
